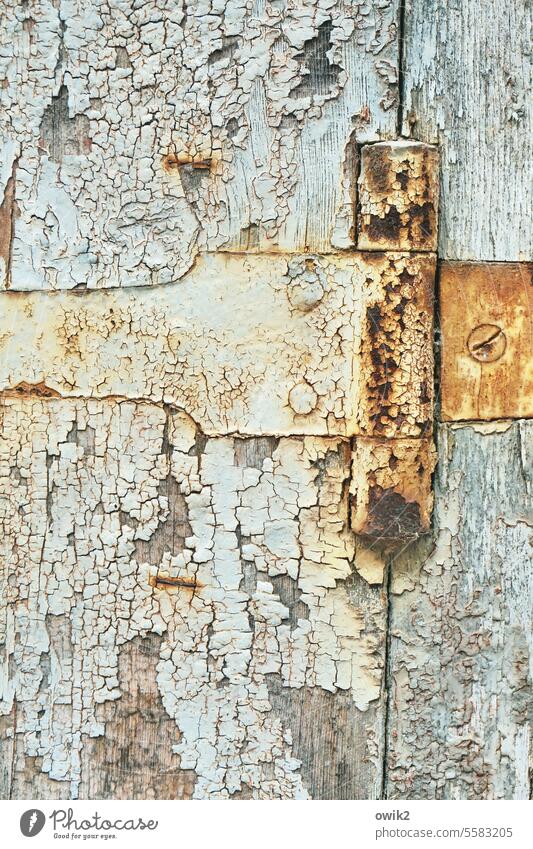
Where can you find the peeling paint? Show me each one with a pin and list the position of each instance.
(99, 99)
(74, 507)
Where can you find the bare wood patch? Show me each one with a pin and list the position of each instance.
(187, 134)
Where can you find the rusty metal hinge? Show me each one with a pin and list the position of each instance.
(284, 344)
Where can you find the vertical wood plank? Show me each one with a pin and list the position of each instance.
(467, 77)
(461, 645)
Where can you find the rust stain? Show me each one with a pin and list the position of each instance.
(391, 495)
(391, 517)
(7, 222)
(397, 394)
(41, 390)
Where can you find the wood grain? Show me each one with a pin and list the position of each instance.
(273, 344)
(459, 684)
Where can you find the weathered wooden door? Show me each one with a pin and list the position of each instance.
(218, 240)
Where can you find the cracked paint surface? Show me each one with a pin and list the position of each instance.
(82, 489)
(136, 136)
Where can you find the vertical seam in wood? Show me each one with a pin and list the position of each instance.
(401, 81)
(388, 680)
(14, 749)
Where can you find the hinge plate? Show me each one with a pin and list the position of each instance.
(486, 315)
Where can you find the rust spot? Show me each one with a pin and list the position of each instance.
(403, 178)
(385, 228)
(232, 128)
(406, 277)
(122, 58)
(374, 318)
(320, 74)
(487, 343)
(425, 396)
(41, 390)
(174, 161)
(391, 518)
(398, 197)
(28, 25)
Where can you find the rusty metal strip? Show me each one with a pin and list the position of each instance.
(398, 195)
(284, 344)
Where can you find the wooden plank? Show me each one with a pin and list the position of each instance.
(467, 75)
(486, 316)
(280, 344)
(460, 629)
(138, 137)
(272, 630)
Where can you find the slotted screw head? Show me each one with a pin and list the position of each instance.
(486, 343)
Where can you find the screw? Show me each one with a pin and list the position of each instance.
(487, 343)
